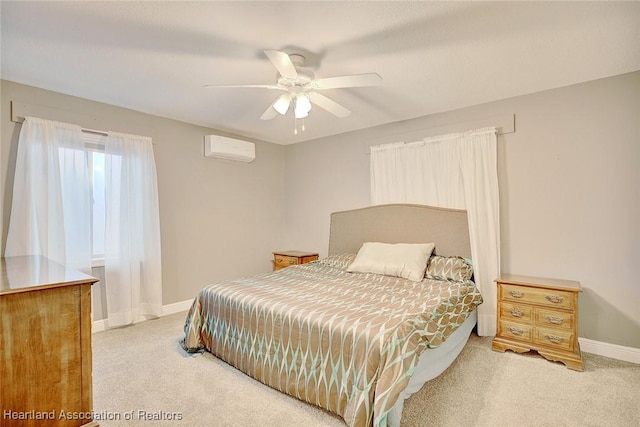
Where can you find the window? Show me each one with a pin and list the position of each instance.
(96, 158)
(98, 221)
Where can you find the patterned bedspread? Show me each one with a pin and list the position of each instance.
(347, 342)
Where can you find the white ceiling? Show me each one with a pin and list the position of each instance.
(155, 57)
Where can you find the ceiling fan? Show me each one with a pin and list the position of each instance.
(302, 88)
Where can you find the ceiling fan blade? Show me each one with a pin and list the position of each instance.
(269, 113)
(282, 62)
(249, 86)
(329, 105)
(356, 80)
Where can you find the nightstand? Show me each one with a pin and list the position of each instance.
(287, 258)
(539, 314)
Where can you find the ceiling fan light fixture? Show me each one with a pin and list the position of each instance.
(282, 104)
(303, 106)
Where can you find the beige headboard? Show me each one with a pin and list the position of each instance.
(397, 223)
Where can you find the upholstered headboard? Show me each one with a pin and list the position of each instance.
(400, 223)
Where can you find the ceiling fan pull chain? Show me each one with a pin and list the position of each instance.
(302, 125)
(295, 126)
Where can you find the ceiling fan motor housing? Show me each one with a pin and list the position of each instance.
(302, 88)
(304, 78)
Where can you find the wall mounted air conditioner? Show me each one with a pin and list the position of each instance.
(222, 147)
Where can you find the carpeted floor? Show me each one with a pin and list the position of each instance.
(142, 377)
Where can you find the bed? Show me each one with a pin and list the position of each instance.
(351, 341)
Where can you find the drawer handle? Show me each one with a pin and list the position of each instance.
(516, 313)
(279, 260)
(554, 299)
(554, 320)
(292, 261)
(516, 294)
(515, 331)
(554, 339)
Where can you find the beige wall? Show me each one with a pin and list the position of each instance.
(219, 219)
(569, 191)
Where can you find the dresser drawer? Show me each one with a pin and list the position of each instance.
(555, 338)
(288, 258)
(554, 319)
(282, 261)
(517, 331)
(541, 296)
(517, 312)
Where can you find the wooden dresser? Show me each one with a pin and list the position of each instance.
(539, 314)
(287, 258)
(45, 344)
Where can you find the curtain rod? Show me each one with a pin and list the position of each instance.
(20, 119)
(85, 130)
(20, 110)
(96, 132)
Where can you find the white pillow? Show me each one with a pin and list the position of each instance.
(407, 260)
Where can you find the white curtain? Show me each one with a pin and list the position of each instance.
(132, 240)
(51, 208)
(453, 171)
(51, 212)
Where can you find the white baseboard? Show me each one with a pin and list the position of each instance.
(176, 307)
(98, 325)
(614, 351)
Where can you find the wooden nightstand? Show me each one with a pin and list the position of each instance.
(539, 314)
(287, 258)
